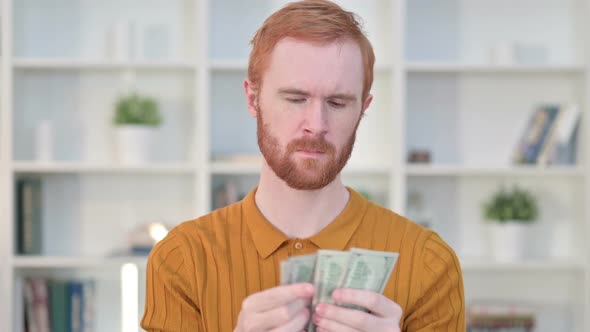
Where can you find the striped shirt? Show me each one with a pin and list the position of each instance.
(198, 276)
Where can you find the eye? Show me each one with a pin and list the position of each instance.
(295, 100)
(336, 104)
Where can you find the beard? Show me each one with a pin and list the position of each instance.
(310, 173)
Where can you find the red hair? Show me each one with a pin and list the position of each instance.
(316, 21)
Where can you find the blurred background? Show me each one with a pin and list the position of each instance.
(120, 119)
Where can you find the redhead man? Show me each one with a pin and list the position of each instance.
(308, 87)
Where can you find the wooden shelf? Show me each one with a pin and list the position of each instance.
(77, 167)
(441, 67)
(471, 265)
(455, 170)
(229, 65)
(237, 168)
(88, 64)
(59, 262)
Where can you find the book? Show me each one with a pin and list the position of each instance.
(37, 305)
(28, 216)
(75, 293)
(536, 134)
(88, 291)
(59, 305)
(561, 144)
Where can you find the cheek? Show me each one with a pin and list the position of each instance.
(285, 124)
(342, 130)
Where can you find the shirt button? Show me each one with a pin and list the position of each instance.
(298, 245)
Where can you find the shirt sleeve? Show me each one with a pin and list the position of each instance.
(170, 290)
(441, 304)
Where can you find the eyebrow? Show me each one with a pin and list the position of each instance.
(294, 91)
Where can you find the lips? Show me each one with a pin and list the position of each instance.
(311, 151)
(310, 147)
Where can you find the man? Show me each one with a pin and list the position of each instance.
(309, 78)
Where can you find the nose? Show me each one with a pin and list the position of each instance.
(315, 119)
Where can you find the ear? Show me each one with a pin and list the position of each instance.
(366, 104)
(251, 97)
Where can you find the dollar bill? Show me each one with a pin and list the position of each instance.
(368, 269)
(298, 269)
(329, 273)
(285, 275)
(330, 269)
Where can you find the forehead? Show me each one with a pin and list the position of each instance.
(335, 67)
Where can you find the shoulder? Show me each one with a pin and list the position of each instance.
(197, 235)
(438, 255)
(218, 221)
(402, 235)
(401, 231)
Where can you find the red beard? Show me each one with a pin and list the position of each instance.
(311, 174)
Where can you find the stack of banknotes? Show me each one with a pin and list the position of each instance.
(331, 269)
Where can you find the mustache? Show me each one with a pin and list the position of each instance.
(318, 144)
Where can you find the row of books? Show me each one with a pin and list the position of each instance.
(58, 305)
(550, 137)
(500, 318)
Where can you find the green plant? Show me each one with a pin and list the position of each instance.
(516, 205)
(134, 109)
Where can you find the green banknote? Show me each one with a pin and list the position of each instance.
(331, 269)
(299, 269)
(368, 269)
(329, 273)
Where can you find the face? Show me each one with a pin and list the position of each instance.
(308, 109)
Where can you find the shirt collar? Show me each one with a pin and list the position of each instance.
(338, 233)
(267, 238)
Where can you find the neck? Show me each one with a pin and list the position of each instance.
(299, 213)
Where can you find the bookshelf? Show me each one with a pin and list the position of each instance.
(435, 88)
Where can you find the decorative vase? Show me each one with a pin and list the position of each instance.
(507, 240)
(133, 143)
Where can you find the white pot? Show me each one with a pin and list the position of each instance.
(507, 240)
(133, 144)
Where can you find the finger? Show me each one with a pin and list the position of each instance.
(376, 303)
(276, 297)
(279, 316)
(297, 324)
(351, 318)
(327, 325)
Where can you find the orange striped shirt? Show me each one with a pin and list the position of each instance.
(198, 276)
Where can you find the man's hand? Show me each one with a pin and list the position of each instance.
(282, 308)
(383, 315)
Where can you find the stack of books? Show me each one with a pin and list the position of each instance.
(550, 137)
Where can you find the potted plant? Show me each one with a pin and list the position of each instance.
(135, 119)
(510, 212)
